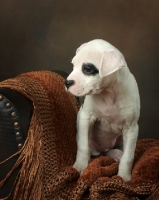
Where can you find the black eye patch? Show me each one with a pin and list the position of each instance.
(89, 69)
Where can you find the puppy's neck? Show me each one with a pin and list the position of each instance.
(108, 96)
(108, 93)
(114, 86)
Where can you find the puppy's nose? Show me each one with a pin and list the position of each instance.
(69, 83)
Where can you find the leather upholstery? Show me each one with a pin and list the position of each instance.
(15, 115)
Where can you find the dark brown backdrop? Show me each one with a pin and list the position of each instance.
(44, 34)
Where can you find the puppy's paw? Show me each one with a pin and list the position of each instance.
(125, 176)
(80, 166)
(116, 154)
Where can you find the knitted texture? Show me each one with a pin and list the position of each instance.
(49, 152)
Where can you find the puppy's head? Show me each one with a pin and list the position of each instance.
(93, 67)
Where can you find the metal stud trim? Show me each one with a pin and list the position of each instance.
(13, 114)
(18, 134)
(8, 105)
(20, 145)
(11, 111)
(1, 97)
(16, 124)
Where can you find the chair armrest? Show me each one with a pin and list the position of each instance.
(15, 114)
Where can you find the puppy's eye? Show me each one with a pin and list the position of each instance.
(89, 69)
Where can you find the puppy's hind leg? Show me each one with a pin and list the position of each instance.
(116, 154)
(94, 152)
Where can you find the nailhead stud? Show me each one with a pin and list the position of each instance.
(1, 97)
(16, 124)
(18, 134)
(8, 105)
(13, 114)
(20, 145)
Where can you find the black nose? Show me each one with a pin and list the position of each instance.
(68, 83)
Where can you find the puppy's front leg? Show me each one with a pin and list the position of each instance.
(129, 138)
(84, 125)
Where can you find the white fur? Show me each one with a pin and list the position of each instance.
(111, 107)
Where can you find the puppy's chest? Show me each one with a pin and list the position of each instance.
(106, 134)
(105, 126)
(106, 106)
(108, 112)
(108, 118)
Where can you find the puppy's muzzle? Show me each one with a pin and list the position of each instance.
(69, 83)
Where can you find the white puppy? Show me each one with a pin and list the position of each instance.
(109, 115)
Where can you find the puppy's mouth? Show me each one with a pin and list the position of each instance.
(76, 91)
(79, 91)
(95, 91)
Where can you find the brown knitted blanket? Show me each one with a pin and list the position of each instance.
(49, 152)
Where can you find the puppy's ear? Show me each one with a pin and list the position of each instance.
(111, 62)
(82, 45)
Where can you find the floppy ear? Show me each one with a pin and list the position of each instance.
(110, 62)
(80, 47)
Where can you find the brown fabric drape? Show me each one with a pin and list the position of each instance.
(49, 151)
